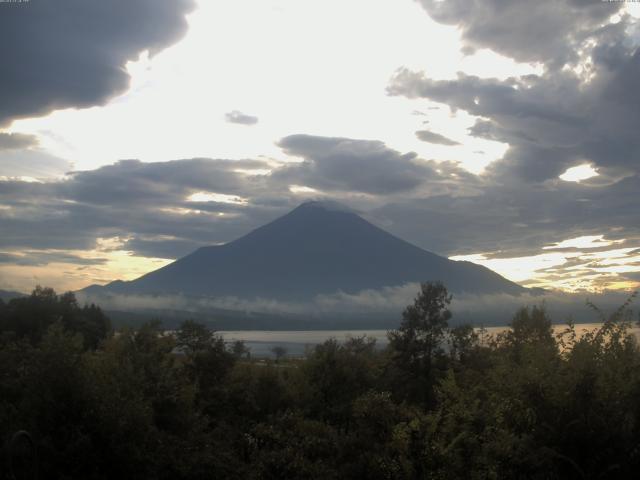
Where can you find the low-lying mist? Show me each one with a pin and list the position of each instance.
(385, 305)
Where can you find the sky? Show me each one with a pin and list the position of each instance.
(504, 133)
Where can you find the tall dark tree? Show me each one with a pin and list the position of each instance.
(417, 344)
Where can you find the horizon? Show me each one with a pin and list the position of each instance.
(518, 153)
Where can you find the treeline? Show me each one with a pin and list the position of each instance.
(437, 403)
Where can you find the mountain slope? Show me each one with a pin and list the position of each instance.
(314, 249)
(6, 295)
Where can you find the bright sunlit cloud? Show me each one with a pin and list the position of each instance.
(518, 269)
(217, 197)
(579, 173)
(301, 189)
(588, 241)
(568, 270)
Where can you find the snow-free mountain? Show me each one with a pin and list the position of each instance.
(318, 248)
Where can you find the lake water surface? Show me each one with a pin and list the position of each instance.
(260, 342)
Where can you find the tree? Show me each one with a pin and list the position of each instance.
(279, 351)
(207, 361)
(193, 337)
(337, 373)
(418, 342)
(463, 341)
(532, 326)
(530, 334)
(239, 349)
(30, 317)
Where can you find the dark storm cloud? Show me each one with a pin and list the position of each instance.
(72, 53)
(13, 141)
(236, 116)
(342, 164)
(432, 137)
(549, 32)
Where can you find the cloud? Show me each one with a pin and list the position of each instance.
(154, 183)
(191, 304)
(547, 32)
(31, 162)
(72, 53)
(445, 212)
(15, 141)
(236, 116)
(161, 247)
(432, 137)
(516, 217)
(478, 309)
(150, 205)
(343, 164)
(145, 203)
(387, 303)
(20, 156)
(552, 121)
(633, 276)
(579, 110)
(40, 258)
(582, 113)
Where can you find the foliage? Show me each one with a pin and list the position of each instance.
(30, 317)
(438, 403)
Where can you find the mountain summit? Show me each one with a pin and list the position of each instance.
(317, 248)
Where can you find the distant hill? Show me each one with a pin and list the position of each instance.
(7, 295)
(318, 248)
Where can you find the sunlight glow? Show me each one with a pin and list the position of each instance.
(518, 269)
(588, 241)
(116, 264)
(301, 189)
(4, 178)
(182, 94)
(217, 197)
(579, 173)
(568, 269)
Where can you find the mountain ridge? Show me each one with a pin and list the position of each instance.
(6, 295)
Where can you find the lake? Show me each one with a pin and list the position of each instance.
(260, 342)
